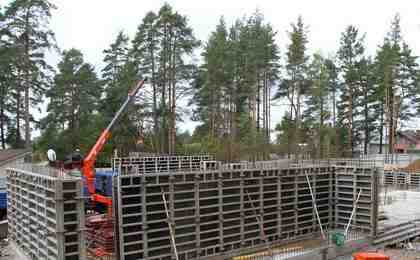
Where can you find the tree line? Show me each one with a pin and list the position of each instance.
(333, 105)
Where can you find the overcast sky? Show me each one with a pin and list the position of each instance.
(91, 25)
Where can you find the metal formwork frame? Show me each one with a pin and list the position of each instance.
(46, 215)
(212, 213)
(350, 180)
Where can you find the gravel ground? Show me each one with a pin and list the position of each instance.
(10, 252)
(394, 254)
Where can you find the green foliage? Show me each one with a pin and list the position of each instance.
(73, 102)
(335, 106)
(232, 87)
(294, 86)
(317, 104)
(162, 46)
(119, 76)
(396, 77)
(27, 22)
(350, 55)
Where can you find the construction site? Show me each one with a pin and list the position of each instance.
(195, 207)
(192, 207)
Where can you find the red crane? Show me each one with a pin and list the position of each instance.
(88, 165)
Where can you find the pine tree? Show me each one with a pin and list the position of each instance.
(396, 73)
(233, 86)
(317, 110)
(10, 98)
(145, 57)
(170, 43)
(382, 76)
(367, 102)
(119, 75)
(74, 103)
(295, 84)
(350, 55)
(4, 87)
(28, 22)
(6, 78)
(211, 92)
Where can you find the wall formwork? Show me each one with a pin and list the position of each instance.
(46, 214)
(228, 209)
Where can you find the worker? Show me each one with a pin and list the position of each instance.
(74, 160)
(77, 156)
(52, 157)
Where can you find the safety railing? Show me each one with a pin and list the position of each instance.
(164, 164)
(42, 170)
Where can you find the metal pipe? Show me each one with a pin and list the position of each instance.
(315, 207)
(171, 231)
(261, 224)
(352, 213)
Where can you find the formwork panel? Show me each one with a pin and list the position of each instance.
(350, 180)
(229, 208)
(218, 211)
(46, 214)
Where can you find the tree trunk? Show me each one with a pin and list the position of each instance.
(268, 117)
(297, 125)
(27, 80)
(381, 127)
(169, 128)
(173, 108)
(321, 126)
(155, 112)
(391, 123)
(27, 121)
(258, 101)
(2, 122)
(350, 116)
(18, 105)
(163, 101)
(211, 119)
(366, 112)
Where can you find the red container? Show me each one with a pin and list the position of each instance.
(370, 256)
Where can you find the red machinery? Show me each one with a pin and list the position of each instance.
(369, 256)
(89, 161)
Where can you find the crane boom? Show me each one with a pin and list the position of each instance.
(89, 161)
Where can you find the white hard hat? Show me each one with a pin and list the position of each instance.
(51, 155)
